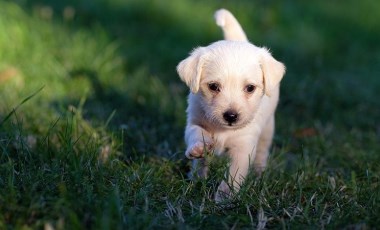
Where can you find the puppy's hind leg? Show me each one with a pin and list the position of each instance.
(263, 146)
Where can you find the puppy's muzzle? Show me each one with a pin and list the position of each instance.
(230, 116)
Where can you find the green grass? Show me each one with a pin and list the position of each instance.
(92, 116)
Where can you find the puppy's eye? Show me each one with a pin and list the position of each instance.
(250, 88)
(213, 86)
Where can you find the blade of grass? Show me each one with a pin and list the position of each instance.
(22, 102)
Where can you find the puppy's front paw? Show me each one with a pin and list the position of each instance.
(198, 150)
(223, 193)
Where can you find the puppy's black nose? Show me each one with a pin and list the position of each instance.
(230, 116)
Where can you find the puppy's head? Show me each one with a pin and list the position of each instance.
(230, 78)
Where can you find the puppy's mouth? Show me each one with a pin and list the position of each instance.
(230, 125)
(233, 125)
(228, 120)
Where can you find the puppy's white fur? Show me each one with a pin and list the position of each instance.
(220, 77)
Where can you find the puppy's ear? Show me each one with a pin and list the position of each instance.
(273, 71)
(190, 69)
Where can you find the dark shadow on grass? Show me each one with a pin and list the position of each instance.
(149, 129)
(146, 129)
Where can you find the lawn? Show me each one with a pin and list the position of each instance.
(92, 115)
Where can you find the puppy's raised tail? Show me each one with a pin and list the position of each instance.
(230, 26)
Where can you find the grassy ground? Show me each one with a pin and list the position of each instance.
(92, 116)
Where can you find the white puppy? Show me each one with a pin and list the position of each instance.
(234, 93)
